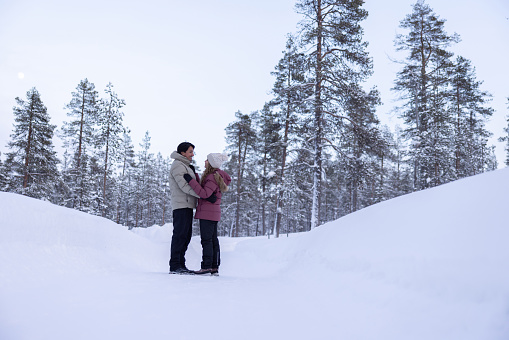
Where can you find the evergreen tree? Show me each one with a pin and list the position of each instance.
(422, 85)
(299, 183)
(32, 162)
(506, 138)
(240, 136)
(127, 164)
(94, 191)
(398, 179)
(385, 156)
(79, 142)
(164, 189)
(290, 90)
(159, 202)
(108, 140)
(360, 141)
(3, 175)
(148, 183)
(470, 116)
(269, 150)
(142, 180)
(333, 36)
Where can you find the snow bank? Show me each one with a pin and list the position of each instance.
(39, 239)
(429, 265)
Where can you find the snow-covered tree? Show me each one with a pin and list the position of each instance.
(333, 37)
(3, 175)
(469, 113)
(290, 93)
(268, 151)
(163, 212)
(240, 138)
(360, 142)
(32, 162)
(123, 188)
(506, 138)
(421, 84)
(78, 137)
(108, 140)
(144, 179)
(399, 175)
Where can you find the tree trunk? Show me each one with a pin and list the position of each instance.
(239, 180)
(105, 174)
(279, 199)
(317, 175)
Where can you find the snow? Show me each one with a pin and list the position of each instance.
(428, 265)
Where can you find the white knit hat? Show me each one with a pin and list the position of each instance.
(217, 159)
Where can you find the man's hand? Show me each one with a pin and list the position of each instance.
(212, 198)
(188, 178)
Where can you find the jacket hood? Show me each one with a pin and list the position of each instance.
(226, 178)
(175, 155)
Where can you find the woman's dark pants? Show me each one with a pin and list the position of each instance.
(210, 244)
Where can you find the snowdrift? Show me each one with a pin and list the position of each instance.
(428, 265)
(41, 238)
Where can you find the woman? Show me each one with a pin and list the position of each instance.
(214, 182)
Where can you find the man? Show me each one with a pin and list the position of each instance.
(183, 201)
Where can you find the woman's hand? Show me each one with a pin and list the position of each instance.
(212, 198)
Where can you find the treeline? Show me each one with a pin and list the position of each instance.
(100, 173)
(313, 153)
(317, 150)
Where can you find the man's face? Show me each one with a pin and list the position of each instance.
(189, 154)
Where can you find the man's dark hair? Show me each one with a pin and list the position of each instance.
(183, 147)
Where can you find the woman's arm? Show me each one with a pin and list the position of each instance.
(209, 187)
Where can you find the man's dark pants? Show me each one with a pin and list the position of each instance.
(182, 232)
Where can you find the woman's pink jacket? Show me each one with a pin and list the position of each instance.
(206, 210)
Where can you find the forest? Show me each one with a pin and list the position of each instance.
(313, 153)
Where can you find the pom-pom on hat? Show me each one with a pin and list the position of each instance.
(217, 159)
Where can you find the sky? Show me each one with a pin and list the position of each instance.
(185, 68)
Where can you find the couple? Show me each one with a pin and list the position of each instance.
(186, 187)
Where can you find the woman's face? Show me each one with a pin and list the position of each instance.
(206, 163)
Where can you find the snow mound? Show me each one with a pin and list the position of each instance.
(428, 265)
(46, 239)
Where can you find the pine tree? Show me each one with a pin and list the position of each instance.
(290, 90)
(333, 36)
(506, 138)
(240, 136)
(422, 84)
(123, 190)
(398, 179)
(108, 139)
(3, 175)
(269, 151)
(164, 189)
(160, 200)
(299, 183)
(146, 186)
(360, 141)
(78, 137)
(32, 161)
(93, 198)
(470, 115)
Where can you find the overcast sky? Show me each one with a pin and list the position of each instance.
(185, 67)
